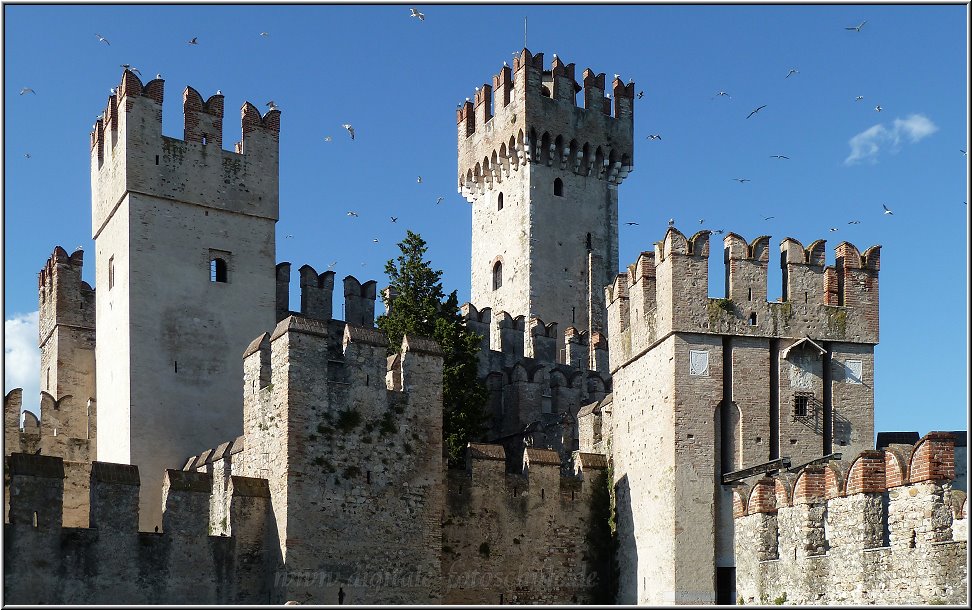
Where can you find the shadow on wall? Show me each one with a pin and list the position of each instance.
(626, 548)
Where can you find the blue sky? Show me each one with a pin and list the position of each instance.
(398, 81)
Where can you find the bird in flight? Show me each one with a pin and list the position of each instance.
(103, 39)
(963, 152)
(858, 98)
(353, 214)
(630, 223)
(722, 94)
(394, 218)
(328, 138)
(288, 236)
(768, 217)
(419, 181)
(654, 136)
(854, 222)
(755, 111)
(779, 156)
(832, 229)
(375, 240)
(886, 210)
(349, 128)
(791, 72)
(701, 220)
(264, 34)
(742, 180)
(194, 40)
(641, 94)
(719, 231)
(272, 105)
(878, 108)
(27, 90)
(416, 13)
(438, 200)
(27, 155)
(331, 266)
(857, 28)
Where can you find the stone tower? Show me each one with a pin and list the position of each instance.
(184, 240)
(66, 329)
(542, 176)
(705, 387)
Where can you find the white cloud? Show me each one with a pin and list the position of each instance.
(21, 358)
(866, 145)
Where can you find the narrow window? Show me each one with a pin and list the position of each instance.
(542, 493)
(571, 494)
(750, 294)
(367, 379)
(368, 475)
(806, 297)
(801, 405)
(111, 272)
(497, 275)
(35, 526)
(589, 246)
(204, 140)
(573, 315)
(217, 270)
(156, 159)
(752, 319)
(48, 384)
(559, 187)
(175, 366)
(499, 202)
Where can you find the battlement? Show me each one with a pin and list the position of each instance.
(520, 119)
(64, 298)
(317, 293)
(508, 339)
(866, 521)
(106, 562)
(667, 291)
(130, 154)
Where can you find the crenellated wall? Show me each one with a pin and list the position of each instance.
(881, 528)
(521, 535)
(317, 296)
(534, 395)
(111, 561)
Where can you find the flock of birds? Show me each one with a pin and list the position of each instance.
(416, 14)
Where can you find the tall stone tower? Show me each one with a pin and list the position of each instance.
(66, 335)
(542, 175)
(185, 275)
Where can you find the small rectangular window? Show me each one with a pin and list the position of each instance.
(801, 405)
(111, 272)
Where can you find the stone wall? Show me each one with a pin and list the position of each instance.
(522, 536)
(110, 561)
(886, 528)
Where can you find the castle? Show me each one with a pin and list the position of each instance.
(202, 442)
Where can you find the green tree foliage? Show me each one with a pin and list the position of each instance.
(420, 307)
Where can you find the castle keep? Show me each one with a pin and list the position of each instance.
(201, 441)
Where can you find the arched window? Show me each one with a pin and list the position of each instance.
(497, 275)
(559, 187)
(499, 202)
(217, 270)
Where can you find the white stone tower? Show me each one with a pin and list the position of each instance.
(542, 176)
(184, 241)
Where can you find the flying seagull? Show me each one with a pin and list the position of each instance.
(288, 236)
(886, 210)
(963, 152)
(854, 222)
(27, 155)
(791, 72)
(722, 94)
(331, 266)
(438, 200)
(194, 40)
(416, 13)
(654, 136)
(328, 138)
(755, 111)
(701, 220)
(27, 90)
(419, 181)
(394, 218)
(719, 231)
(353, 213)
(349, 128)
(858, 98)
(264, 34)
(768, 217)
(742, 180)
(630, 223)
(832, 229)
(103, 39)
(858, 27)
(641, 94)
(375, 240)
(878, 108)
(779, 156)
